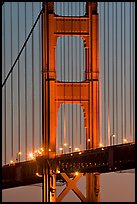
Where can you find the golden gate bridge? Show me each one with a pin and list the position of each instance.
(67, 94)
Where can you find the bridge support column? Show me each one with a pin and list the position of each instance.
(46, 187)
(92, 187)
(52, 187)
(53, 27)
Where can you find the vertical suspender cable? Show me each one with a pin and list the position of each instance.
(75, 67)
(43, 97)
(113, 71)
(116, 82)
(32, 83)
(18, 86)
(25, 89)
(130, 90)
(64, 77)
(56, 115)
(100, 76)
(80, 72)
(61, 78)
(69, 139)
(40, 139)
(11, 88)
(90, 91)
(104, 76)
(47, 182)
(108, 85)
(122, 71)
(133, 47)
(92, 85)
(5, 86)
(72, 72)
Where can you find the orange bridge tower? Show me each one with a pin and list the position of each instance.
(84, 93)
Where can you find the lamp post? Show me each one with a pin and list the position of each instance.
(112, 139)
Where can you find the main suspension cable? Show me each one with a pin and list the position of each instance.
(22, 48)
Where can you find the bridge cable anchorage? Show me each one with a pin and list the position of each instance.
(22, 48)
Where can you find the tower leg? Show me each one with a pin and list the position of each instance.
(52, 188)
(92, 187)
(46, 187)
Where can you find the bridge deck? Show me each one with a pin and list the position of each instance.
(100, 160)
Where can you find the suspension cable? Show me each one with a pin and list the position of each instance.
(61, 81)
(64, 78)
(40, 91)
(104, 77)
(80, 65)
(113, 77)
(25, 89)
(18, 86)
(133, 47)
(32, 82)
(56, 107)
(69, 137)
(121, 71)
(108, 84)
(124, 73)
(5, 85)
(116, 82)
(92, 94)
(130, 69)
(22, 48)
(76, 80)
(11, 87)
(100, 79)
(72, 74)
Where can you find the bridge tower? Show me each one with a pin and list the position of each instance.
(84, 93)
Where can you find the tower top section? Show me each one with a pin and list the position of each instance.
(93, 6)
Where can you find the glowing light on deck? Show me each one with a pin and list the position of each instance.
(101, 145)
(77, 149)
(31, 155)
(11, 162)
(65, 144)
(80, 152)
(76, 173)
(58, 171)
(42, 149)
(125, 140)
(61, 150)
(37, 174)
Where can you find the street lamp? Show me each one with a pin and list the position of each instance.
(125, 140)
(112, 139)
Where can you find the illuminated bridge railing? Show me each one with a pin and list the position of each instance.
(100, 160)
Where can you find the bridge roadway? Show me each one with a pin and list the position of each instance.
(100, 160)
